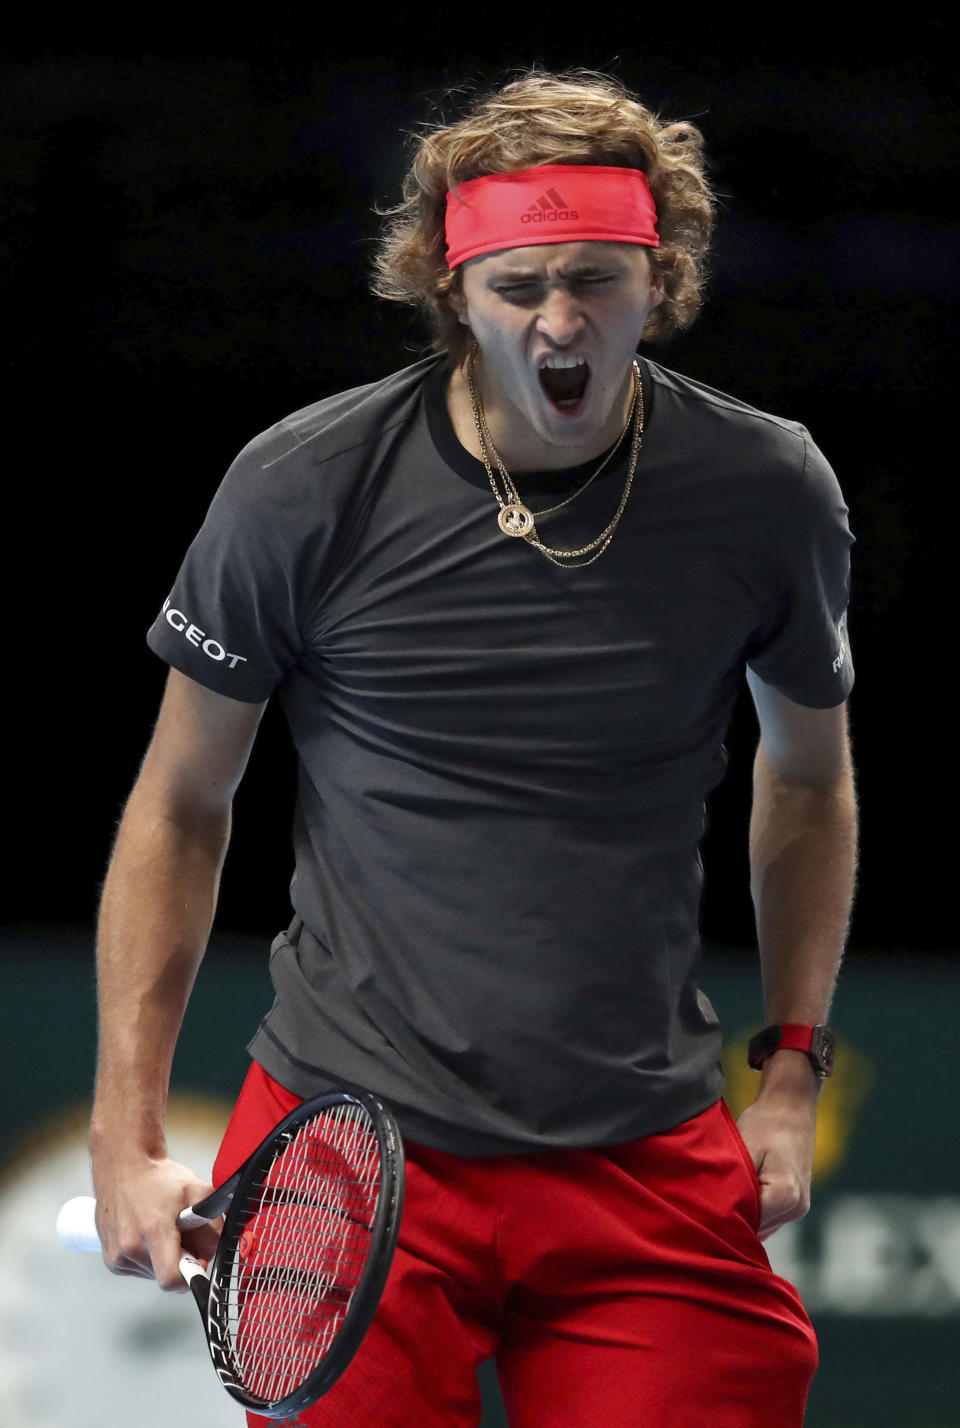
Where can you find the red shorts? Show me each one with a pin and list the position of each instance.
(617, 1287)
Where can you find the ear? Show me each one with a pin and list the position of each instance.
(456, 298)
(657, 293)
(459, 305)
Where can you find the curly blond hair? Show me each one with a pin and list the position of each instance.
(576, 117)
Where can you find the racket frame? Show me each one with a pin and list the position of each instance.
(210, 1291)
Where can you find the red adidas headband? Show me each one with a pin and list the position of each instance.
(555, 203)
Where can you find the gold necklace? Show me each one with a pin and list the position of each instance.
(515, 518)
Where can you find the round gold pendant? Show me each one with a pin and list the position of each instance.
(516, 520)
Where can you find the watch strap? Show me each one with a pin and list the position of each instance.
(816, 1042)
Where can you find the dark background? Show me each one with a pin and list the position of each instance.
(188, 230)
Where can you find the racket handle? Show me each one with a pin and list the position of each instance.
(190, 1220)
(197, 1278)
(77, 1230)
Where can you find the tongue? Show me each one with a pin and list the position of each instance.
(565, 384)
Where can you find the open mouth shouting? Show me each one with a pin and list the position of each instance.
(564, 381)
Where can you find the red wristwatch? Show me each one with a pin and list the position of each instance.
(816, 1042)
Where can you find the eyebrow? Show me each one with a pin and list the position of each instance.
(577, 270)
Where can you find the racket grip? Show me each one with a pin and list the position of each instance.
(190, 1220)
(77, 1226)
(197, 1278)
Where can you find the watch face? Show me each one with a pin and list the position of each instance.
(822, 1049)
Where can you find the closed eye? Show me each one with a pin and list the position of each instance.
(526, 289)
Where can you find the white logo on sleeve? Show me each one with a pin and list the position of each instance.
(180, 622)
(841, 658)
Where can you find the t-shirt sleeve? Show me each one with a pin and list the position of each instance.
(803, 647)
(231, 620)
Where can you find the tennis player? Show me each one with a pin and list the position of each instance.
(507, 596)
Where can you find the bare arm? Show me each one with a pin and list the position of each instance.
(156, 913)
(803, 837)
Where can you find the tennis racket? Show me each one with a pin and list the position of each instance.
(311, 1222)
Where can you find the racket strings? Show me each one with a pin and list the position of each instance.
(303, 1249)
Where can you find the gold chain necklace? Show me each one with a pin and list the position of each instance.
(515, 518)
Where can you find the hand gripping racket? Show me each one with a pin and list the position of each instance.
(311, 1222)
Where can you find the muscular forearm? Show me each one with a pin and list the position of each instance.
(803, 866)
(157, 908)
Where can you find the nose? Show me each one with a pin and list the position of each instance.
(561, 316)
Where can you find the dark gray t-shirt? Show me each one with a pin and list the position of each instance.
(503, 764)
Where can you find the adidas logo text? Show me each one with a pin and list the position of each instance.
(549, 208)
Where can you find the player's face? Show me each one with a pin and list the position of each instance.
(533, 311)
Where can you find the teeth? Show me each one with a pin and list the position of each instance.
(563, 362)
